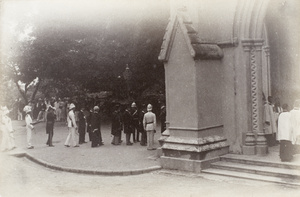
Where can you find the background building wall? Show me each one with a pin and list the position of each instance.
(283, 28)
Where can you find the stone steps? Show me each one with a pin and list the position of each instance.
(256, 169)
(258, 162)
(249, 176)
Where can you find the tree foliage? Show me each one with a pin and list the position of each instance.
(77, 58)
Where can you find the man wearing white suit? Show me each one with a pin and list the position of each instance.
(72, 127)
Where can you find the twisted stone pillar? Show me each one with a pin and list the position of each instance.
(255, 141)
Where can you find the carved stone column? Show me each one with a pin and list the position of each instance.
(261, 142)
(267, 54)
(255, 141)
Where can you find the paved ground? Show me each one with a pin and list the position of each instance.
(20, 177)
(104, 158)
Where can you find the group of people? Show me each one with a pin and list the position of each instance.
(282, 126)
(134, 122)
(140, 124)
(289, 131)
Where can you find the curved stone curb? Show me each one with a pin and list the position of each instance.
(84, 171)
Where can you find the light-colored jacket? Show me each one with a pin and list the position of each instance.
(71, 119)
(284, 126)
(295, 125)
(149, 121)
(28, 121)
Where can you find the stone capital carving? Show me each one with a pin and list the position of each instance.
(267, 50)
(249, 44)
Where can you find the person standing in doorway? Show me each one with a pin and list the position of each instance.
(162, 116)
(295, 125)
(72, 127)
(149, 123)
(50, 119)
(270, 122)
(284, 134)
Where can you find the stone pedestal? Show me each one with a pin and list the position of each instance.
(261, 144)
(193, 98)
(193, 150)
(249, 147)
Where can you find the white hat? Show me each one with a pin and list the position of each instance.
(72, 106)
(4, 110)
(96, 108)
(27, 109)
(149, 107)
(133, 104)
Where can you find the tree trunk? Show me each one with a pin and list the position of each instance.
(36, 89)
(23, 93)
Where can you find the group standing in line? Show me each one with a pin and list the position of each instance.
(139, 124)
(282, 127)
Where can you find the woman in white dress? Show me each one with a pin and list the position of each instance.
(8, 141)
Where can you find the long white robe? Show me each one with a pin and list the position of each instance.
(284, 127)
(295, 126)
(269, 119)
(6, 128)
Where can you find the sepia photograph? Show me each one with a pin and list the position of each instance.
(149, 98)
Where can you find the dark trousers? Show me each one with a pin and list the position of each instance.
(144, 137)
(286, 150)
(136, 133)
(90, 133)
(50, 136)
(49, 130)
(81, 131)
(128, 138)
(271, 139)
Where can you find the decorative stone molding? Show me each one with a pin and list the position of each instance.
(198, 48)
(254, 86)
(267, 50)
(195, 144)
(234, 42)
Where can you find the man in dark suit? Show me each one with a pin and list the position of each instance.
(96, 128)
(81, 126)
(135, 122)
(116, 125)
(127, 120)
(141, 127)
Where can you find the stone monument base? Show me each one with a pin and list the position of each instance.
(261, 149)
(174, 163)
(249, 150)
